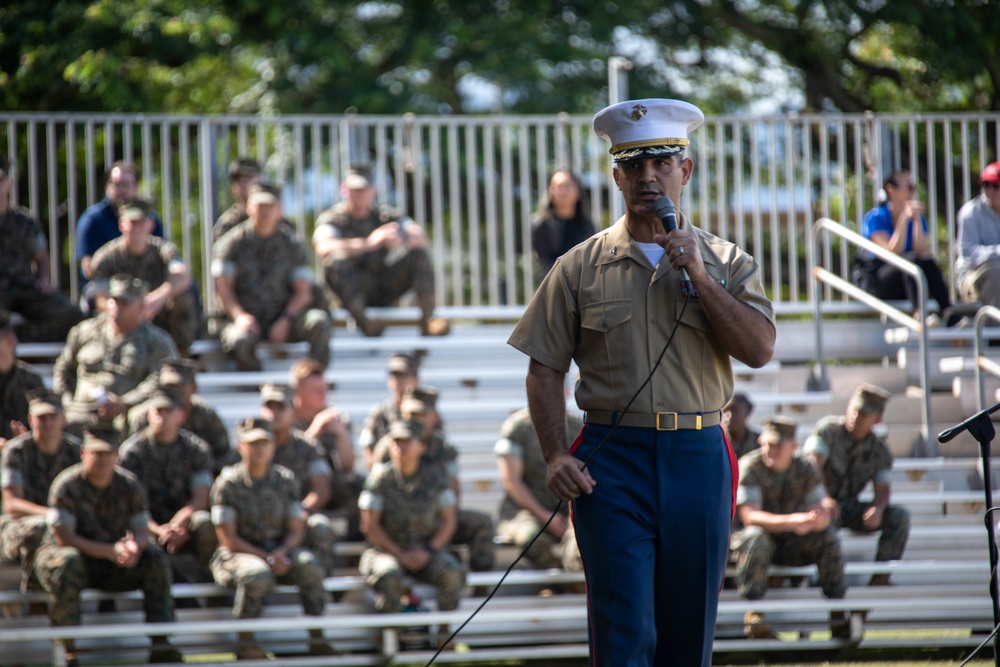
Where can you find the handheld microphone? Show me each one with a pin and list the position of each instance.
(667, 214)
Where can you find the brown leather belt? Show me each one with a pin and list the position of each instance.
(661, 421)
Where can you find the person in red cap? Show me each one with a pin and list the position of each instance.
(978, 265)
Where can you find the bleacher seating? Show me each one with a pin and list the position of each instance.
(941, 584)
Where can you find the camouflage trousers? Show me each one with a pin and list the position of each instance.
(312, 326)
(181, 318)
(202, 543)
(546, 552)
(357, 287)
(49, 317)
(385, 575)
(19, 540)
(475, 529)
(64, 572)
(319, 540)
(895, 527)
(754, 550)
(346, 489)
(253, 580)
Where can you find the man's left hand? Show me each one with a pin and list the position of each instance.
(872, 518)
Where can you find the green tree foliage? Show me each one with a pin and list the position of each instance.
(519, 56)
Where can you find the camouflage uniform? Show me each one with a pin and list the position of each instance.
(474, 528)
(377, 423)
(95, 360)
(49, 316)
(15, 386)
(23, 465)
(409, 511)
(180, 316)
(103, 515)
(747, 444)
(203, 421)
(849, 467)
(236, 214)
(754, 549)
(519, 440)
(368, 279)
(346, 483)
(304, 458)
(260, 509)
(264, 269)
(169, 474)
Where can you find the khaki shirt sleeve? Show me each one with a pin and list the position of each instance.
(547, 332)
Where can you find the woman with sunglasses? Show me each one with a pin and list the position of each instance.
(899, 225)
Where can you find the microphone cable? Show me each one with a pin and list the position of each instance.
(614, 426)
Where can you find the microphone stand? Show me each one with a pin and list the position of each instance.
(981, 427)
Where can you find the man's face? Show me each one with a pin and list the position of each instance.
(127, 313)
(778, 455)
(361, 199)
(400, 383)
(645, 180)
(265, 214)
(279, 414)
(122, 186)
(990, 190)
(136, 231)
(406, 452)
(165, 421)
(311, 393)
(258, 453)
(98, 462)
(735, 414)
(859, 424)
(242, 184)
(47, 427)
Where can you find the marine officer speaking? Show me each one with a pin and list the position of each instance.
(652, 504)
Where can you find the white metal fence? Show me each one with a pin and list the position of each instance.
(474, 181)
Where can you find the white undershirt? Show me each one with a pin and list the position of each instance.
(653, 251)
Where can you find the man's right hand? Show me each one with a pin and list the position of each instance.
(567, 478)
(558, 525)
(248, 323)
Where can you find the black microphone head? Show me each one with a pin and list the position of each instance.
(664, 206)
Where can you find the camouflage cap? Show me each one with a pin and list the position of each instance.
(177, 373)
(400, 362)
(101, 440)
(126, 287)
(778, 429)
(263, 193)
(354, 179)
(419, 400)
(137, 209)
(254, 429)
(166, 397)
(243, 166)
(869, 398)
(44, 402)
(275, 393)
(403, 429)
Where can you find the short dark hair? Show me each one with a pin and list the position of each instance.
(124, 165)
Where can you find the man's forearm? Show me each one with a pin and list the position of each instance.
(547, 405)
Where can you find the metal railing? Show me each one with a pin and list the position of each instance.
(474, 181)
(823, 229)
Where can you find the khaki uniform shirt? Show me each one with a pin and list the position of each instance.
(606, 307)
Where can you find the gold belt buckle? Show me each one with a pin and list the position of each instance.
(668, 415)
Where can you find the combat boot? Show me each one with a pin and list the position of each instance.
(370, 327)
(755, 626)
(881, 579)
(318, 644)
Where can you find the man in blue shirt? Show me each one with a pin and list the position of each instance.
(99, 223)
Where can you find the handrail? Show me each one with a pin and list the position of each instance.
(822, 229)
(982, 362)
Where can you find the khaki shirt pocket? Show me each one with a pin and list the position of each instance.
(694, 333)
(606, 334)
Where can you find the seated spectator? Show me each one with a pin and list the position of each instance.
(408, 516)
(849, 455)
(170, 303)
(109, 363)
(403, 377)
(264, 285)
(561, 223)
(332, 430)
(528, 503)
(735, 414)
(305, 459)
(978, 265)
(373, 255)
(243, 172)
(175, 469)
(473, 528)
(260, 525)
(99, 223)
(17, 381)
(98, 538)
(27, 467)
(899, 225)
(781, 518)
(199, 417)
(25, 284)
